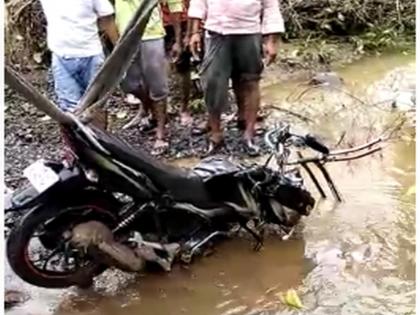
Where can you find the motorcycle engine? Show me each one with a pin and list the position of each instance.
(291, 193)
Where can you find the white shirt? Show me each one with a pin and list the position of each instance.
(72, 29)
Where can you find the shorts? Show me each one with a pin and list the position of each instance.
(236, 57)
(148, 71)
(72, 77)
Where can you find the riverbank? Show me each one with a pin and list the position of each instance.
(314, 25)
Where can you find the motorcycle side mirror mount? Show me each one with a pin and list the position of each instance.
(315, 144)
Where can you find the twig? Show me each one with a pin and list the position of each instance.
(334, 159)
(20, 9)
(397, 6)
(343, 135)
(304, 118)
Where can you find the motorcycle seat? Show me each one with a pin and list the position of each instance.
(183, 185)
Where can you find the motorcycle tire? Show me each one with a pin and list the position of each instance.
(19, 239)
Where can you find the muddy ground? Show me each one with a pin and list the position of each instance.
(30, 135)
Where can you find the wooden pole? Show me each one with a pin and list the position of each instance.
(115, 66)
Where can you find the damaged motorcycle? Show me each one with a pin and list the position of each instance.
(109, 205)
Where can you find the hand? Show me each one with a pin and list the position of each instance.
(270, 51)
(176, 51)
(195, 45)
(185, 42)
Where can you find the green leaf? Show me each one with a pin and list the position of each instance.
(411, 190)
(291, 299)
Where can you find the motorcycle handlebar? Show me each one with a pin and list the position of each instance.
(315, 144)
(308, 140)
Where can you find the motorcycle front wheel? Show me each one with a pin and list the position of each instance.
(38, 252)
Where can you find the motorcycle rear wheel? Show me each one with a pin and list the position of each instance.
(83, 208)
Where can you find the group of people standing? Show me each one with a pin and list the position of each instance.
(231, 38)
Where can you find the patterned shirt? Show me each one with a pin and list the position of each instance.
(238, 16)
(125, 9)
(166, 13)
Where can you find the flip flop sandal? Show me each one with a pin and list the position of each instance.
(251, 148)
(214, 147)
(149, 126)
(260, 131)
(198, 131)
(160, 149)
(186, 121)
(262, 114)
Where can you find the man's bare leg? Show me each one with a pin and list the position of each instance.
(240, 101)
(159, 109)
(251, 94)
(216, 133)
(145, 110)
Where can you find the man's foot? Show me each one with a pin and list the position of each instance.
(186, 119)
(200, 129)
(241, 123)
(262, 114)
(147, 125)
(259, 128)
(214, 146)
(160, 147)
(250, 147)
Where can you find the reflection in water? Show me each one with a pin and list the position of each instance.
(373, 234)
(233, 280)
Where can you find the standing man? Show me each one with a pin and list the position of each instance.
(77, 53)
(147, 77)
(237, 32)
(177, 26)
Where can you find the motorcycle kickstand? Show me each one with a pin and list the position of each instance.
(187, 257)
(158, 225)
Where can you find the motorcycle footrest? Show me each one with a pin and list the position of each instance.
(188, 255)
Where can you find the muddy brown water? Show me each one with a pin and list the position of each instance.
(357, 257)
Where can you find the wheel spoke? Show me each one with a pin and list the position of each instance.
(53, 253)
(49, 250)
(67, 257)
